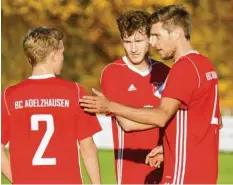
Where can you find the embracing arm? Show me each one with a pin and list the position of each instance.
(157, 117)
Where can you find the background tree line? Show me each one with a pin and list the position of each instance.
(92, 39)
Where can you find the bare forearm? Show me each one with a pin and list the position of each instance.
(6, 168)
(91, 163)
(148, 116)
(129, 125)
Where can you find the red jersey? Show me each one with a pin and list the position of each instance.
(192, 136)
(42, 121)
(125, 84)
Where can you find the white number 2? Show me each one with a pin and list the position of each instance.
(214, 119)
(37, 159)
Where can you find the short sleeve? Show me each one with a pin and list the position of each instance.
(88, 124)
(111, 83)
(182, 81)
(5, 121)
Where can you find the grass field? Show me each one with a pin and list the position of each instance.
(108, 177)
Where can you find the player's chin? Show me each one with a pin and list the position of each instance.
(163, 57)
(138, 60)
(166, 57)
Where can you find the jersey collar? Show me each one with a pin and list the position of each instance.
(125, 59)
(37, 77)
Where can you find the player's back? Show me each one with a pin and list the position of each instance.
(193, 133)
(204, 120)
(43, 115)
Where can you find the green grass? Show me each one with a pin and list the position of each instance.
(225, 168)
(108, 177)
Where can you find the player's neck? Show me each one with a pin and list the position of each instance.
(143, 66)
(182, 49)
(41, 70)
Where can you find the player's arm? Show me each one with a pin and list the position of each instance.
(129, 125)
(87, 146)
(90, 159)
(158, 117)
(5, 138)
(131, 119)
(152, 116)
(5, 163)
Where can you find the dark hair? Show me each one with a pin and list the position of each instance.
(41, 41)
(172, 16)
(132, 21)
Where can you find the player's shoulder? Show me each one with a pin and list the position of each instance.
(115, 65)
(186, 61)
(113, 68)
(61, 81)
(72, 85)
(192, 60)
(199, 60)
(14, 88)
(80, 88)
(29, 84)
(192, 57)
(191, 64)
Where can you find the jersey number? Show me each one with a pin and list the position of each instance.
(48, 118)
(214, 119)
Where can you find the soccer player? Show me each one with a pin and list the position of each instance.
(189, 108)
(43, 122)
(134, 79)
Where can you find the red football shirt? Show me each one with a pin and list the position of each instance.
(127, 85)
(42, 121)
(191, 138)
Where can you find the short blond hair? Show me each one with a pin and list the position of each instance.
(40, 42)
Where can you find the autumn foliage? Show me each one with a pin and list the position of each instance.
(92, 39)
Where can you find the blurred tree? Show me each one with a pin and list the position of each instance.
(92, 38)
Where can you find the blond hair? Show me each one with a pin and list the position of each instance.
(40, 42)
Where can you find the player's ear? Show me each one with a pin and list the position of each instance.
(51, 56)
(177, 33)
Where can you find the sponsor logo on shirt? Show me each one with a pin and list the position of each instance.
(132, 88)
(158, 88)
(211, 75)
